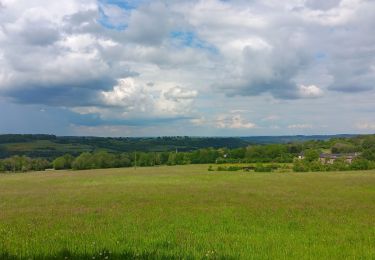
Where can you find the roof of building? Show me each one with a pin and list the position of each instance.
(338, 155)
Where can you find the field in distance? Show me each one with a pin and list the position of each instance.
(187, 212)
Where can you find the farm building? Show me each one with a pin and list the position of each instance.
(331, 158)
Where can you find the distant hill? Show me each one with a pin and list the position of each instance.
(51, 146)
(290, 138)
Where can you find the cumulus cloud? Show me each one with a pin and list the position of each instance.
(224, 121)
(300, 126)
(135, 98)
(128, 95)
(178, 93)
(199, 121)
(260, 58)
(233, 122)
(366, 125)
(271, 118)
(150, 24)
(311, 91)
(98, 57)
(45, 62)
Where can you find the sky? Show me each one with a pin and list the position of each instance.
(187, 67)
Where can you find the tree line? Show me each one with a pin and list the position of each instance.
(272, 153)
(23, 164)
(103, 159)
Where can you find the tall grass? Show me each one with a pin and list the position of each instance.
(187, 212)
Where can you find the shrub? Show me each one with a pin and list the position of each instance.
(300, 166)
(360, 164)
(229, 168)
(234, 168)
(263, 168)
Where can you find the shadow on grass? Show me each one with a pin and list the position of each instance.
(106, 254)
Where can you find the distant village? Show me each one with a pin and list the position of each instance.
(328, 158)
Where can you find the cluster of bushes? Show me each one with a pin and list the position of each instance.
(229, 168)
(277, 153)
(265, 168)
(337, 165)
(23, 164)
(257, 168)
(97, 160)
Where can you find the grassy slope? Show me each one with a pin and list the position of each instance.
(185, 211)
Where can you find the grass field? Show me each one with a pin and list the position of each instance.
(187, 212)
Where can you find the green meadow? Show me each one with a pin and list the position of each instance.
(187, 212)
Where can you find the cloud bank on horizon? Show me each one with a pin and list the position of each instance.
(201, 67)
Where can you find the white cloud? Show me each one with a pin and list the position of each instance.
(199, 121)
(68, 55)
(136, 98)
(271, 118)
(311, 91)
(300, 126)
(128, 94)
(105, 130)
(233, 122)
(178, 94)
(331, 13)
(150, 24)
(239, 111)
(366, 125)
(114, 15)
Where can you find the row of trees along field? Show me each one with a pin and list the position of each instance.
(272, 153)
(263, 153)
(23, 164)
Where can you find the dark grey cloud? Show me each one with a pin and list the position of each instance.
(95, 120)
(351, 50)
(277, 56)
(57, 62)
(74, 54)
(66, 95)
(351, 88)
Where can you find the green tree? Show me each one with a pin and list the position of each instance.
(300, 166)
(341, 147)
(311, 155)
(360, 164)
(39, 164)
(63, 162)
(171, 158)
(83, 161)
(102, 160)
(340, 165)
(123, 160)
(369, 154)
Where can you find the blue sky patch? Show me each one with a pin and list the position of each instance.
(320, 56)
(190, 39)
(127, 5)
(105, 21)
